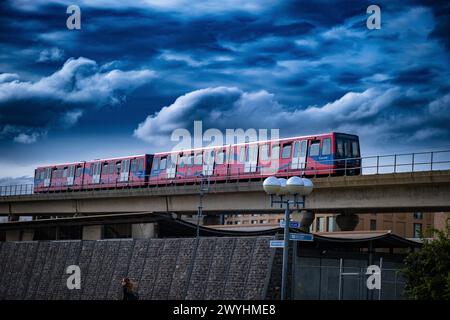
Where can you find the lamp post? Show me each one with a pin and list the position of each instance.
(281, 187)
(202, 192)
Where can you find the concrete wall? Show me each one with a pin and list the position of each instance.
(208, 268)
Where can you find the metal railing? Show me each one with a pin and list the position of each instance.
(371, 165)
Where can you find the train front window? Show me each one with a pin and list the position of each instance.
(314, 149)
(340, 148)
(355, 149)
(326, 147)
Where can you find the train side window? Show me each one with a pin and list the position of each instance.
(304, 143)
(326, 147)
(241, 156)
(181, 161)
(275, 152)
(220, 157)
(286, 154)
(264, 152)
(198, 159)
(163, 163)
(189, 160)
(314, 148)
(105, 168)
(111, 167)
(155, 164)
(78, 172)
(141, 164)
(133, 165)
(296, 151)
(65, 172)
(42, 174)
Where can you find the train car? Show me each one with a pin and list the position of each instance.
(129, 171)
(96, 174)
(60, 177)
(315, 155)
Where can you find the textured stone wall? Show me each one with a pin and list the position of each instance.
(187, 268)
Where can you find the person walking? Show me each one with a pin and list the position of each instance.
(128, 290)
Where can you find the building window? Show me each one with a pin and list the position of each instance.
(418, 215)
(254, 221)
(417, 230)
(330, 224)
(320, 224)
(373, 224)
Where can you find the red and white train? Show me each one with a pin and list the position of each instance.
(316, 155)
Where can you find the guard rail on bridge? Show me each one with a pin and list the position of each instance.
(371, 165)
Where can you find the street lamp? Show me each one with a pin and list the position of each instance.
(203, 189)
(281, 187)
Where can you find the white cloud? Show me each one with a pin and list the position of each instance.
(27, 138)
(53, 54)
(79, 84)
(232, 108)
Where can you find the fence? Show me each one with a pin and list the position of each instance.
(346, 283)
(372, 165)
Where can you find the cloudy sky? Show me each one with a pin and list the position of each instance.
(135, 72)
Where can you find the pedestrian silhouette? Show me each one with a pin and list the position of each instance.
(128, 288)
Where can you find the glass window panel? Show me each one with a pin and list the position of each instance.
(286, 154)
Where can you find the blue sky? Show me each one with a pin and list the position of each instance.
(133, 73)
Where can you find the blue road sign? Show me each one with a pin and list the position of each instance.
(277, 243)
(292, 224)
(301, 237)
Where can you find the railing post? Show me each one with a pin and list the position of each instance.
(431, 161)
(378, 164)
(395, 163)
(412, 164)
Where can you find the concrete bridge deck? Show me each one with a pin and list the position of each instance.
(395, 192)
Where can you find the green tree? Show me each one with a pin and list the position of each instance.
(427, 270)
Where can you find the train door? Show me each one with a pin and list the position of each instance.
(125, 170)
(96, 170)
(171, 166)
(251, 158)
(299, 154)
(47, 177)
(208, 163)
(70, 175)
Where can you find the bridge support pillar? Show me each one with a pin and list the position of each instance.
(347, 222)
